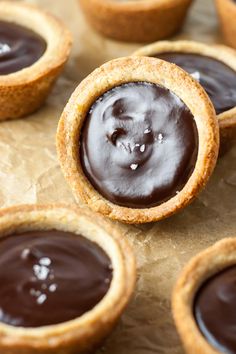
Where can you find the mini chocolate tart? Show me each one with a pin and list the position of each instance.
(214, 67)
(138, 139)
(66, 276)
(227, 14)
(137, 20)
(204, 301)
(31, 57)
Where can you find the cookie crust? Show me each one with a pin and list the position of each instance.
(138, 20)
(87, 331)
(227, 119)
(227, 13)
(115, 73)
(203, 266)
(24, 91)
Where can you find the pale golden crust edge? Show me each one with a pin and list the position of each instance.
(88, 331)
(227, 120)
(23, 92)
(112, 74)
(199, 269)
(141, 21)
(227, 14)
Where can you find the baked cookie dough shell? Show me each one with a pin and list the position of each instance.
(227, 14)
(115, 73)
(227, 119)
(86, 332)
(206, 264)
(136, 21)
(24, 91)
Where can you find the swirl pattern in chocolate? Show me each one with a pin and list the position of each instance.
(214, 310)
(49, 277)
(19, 47)
(218, 79)
(139, 145)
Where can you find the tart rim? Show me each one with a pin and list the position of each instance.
(219, 52)
(226, 11)
(139, 5)
(138, 19)
(58, 39)
(70, 218)
(199, 269)
(109, 75)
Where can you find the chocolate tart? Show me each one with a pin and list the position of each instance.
(204, 301)
(227, 14)
(209, 59)
(149, 147)
(61, 261)
(136, 20)
(32, 56)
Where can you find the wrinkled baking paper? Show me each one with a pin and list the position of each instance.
(29, 173)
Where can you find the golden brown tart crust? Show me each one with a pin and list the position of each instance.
(137, 20)
(115, 73)
(203, 266)
(24, 91)
(227, 120)
(227, 14)
(87, 331)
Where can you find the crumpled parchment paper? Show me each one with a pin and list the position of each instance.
(30, 173)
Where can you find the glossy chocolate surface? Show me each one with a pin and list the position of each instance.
(215, 310)
(139, 145)
(218, 79)
(49, 277)
(19, 47)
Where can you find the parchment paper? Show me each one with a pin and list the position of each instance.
(29, 173)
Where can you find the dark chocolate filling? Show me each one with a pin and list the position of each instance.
(19, 47)
(49, 277)
(218, 79)
(215, 310)
(139, 145)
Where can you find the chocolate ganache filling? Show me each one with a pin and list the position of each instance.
(49, 277)
(215, 310)
(139, 145)
(19, 47)
(218, 79)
